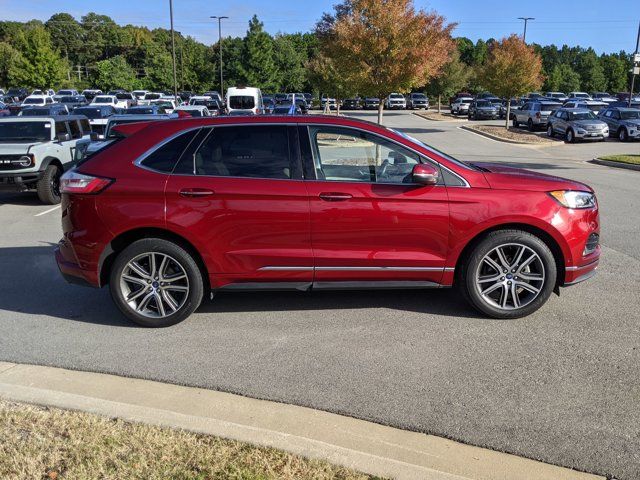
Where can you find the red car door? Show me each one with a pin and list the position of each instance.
(369, 222)
(238, 192)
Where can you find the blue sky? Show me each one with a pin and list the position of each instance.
(606, 26)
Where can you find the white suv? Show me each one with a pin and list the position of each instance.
(395, 101)
(35, 151)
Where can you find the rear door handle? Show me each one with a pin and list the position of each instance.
(335, 196)
(196, 192)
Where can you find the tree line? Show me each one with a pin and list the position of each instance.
(95, 51)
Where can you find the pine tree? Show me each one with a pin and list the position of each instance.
(258, 68)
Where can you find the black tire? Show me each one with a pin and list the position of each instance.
(49, 185)
(550, 133)
(466, 274)
(570, 136)
(623, 135)
(530, 125)
(191, 300)
(516, 124)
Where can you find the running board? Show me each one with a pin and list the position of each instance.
(307, 286)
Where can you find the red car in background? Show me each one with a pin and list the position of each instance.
(174, 209)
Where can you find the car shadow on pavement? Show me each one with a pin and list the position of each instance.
(29, 199)
(32, 285)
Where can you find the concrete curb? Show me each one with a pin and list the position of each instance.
(357, 444)
(609, 163)
(504, 140)
(453, 119)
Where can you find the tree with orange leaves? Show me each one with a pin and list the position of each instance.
(512, 68)
(385, 46)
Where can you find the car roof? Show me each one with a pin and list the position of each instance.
(57, 118)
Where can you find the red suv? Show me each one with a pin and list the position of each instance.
(174, 209)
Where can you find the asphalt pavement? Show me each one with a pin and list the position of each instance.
(561, 386)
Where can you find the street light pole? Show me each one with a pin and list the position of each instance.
(635, 65)
(526, 19)
(220, 44)
(173, 54)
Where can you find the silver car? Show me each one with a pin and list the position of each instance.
(533, 114)
(577, 123)
(623, 122)
(461, 106)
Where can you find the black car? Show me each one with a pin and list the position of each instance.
(351, 103)
(479, 109)
(19, 93)
(73, 101)
(371, 103)
(285, 109)
(98, 116)
(185, 95)
(46, 111)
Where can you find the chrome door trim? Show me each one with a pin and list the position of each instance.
(355, 269)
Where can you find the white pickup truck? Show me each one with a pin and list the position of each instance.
(35, 152)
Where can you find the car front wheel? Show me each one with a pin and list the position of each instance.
(623, 136)
(49, 185)
(549, 131)
(156, 283)
(509, 274)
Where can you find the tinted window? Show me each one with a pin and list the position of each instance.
(349, 155)
(75, 129)
(24, 132)
(86, 126)
(246, 151)
(165, 157)
(243, 102)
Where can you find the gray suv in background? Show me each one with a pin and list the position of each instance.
(624, 123)
(577, 123)
(417, 100)
(533, 114)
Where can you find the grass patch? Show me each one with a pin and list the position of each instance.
(633, 159)
(513, 134)
(52, 444)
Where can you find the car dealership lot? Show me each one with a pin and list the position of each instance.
(561, 386)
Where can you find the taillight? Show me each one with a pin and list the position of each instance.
(81, 184)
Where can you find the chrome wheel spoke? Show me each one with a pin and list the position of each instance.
(177, 288)
(492, 288)
(144, 303)
(526, 263)
(502, 258)
(159, 304)
(514, 295)
(152, 265)
(137, 268)
(531, 277)
(174, 278)
(136, 294)
(518, 257)
(163, 266)
(489, 278)
(489, 261)
(136, 280)
(528, 287)
(169, 300)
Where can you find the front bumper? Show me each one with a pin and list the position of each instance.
(396, 106)
(577, 274)
(592, 135)
(482, 114)
(18, 181)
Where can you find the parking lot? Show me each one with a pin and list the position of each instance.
(561, 386)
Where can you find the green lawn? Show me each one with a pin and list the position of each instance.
(635, 159)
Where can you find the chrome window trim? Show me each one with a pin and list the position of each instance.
(356, 269)
(420, 155)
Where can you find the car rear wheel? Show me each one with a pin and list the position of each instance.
(156, 283)
(530, 125)
(516, 123)
(49, 185)
(509, 274)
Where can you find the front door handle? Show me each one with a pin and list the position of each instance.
(335, 196)
(196, 192)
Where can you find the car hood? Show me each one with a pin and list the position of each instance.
(635, 122)
(504, 177)
(12, 148)
(584, 123)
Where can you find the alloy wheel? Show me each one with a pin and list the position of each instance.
(154, 285)
(510, 276)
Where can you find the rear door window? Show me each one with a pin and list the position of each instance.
(242, 102)
(256, 151)
(75, 129)
(165, 157)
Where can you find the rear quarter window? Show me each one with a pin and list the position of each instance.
(165, 157)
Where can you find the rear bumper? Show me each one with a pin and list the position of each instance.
(70, 270)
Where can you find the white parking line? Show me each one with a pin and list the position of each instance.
(47, 211)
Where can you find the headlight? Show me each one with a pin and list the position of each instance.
(574, 199)
(25, 161)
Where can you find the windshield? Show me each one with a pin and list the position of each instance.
(69, 100)
(545, 107)
(152, 96)
(102, 100)
(420, 96)
(396, 96)
(484, 104)
(466, 101)
(630, 115)
(65, 92)
(33, 101)
(25, 132)
(35, 112)
(583, 116)
(140, 111)
(466, 165)
(581, 95)
(243, 102)
(91, 113)
(123, 96)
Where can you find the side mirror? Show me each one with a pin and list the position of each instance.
(94, 136)
(424, 174)
(63, 137)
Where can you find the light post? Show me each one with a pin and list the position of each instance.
(173, 54)
(635, 67)
(526, 19)
(220, 18)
